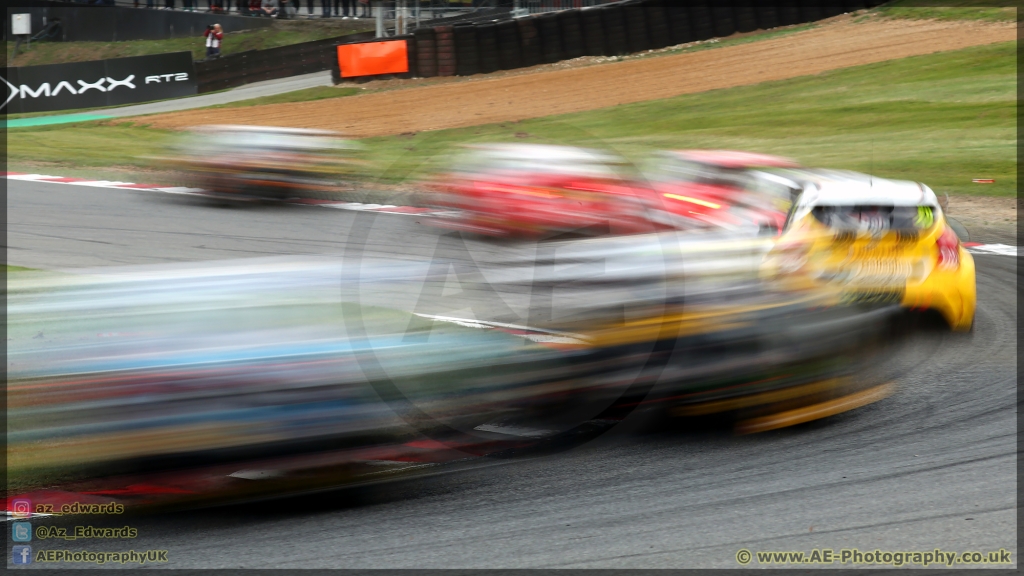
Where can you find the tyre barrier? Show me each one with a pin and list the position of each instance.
(657, 24)
(830, 8)
(412, 54)
(614, 29)
(745, 16)
(426, 52)
(810, 11)
(445, 50)
(789, 13)
(700, 21)
(336, 69)
(678, 17)
(767, 15)
(529, 36)
(467, 50)
(487, 41)
(615, 42)
(550, 37)
(722, 20)
(637, 37)
(571, 25)
(510, 54)
(593, 31)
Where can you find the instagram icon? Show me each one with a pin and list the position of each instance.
(21, 508)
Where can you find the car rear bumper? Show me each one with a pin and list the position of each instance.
(951, 293)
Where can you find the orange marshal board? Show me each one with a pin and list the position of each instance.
(371, 58)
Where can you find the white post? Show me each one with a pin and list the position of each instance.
(380, 17)
(21, 25)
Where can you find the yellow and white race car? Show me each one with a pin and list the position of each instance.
(876, 241)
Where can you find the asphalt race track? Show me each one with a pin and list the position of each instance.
(933, 466)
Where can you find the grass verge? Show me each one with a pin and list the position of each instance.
(986, 10)
(304, 95)
(84, 145)
(943, 119)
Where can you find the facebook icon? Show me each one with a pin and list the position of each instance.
(21, 554)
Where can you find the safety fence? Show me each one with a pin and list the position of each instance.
(404, 17)
(612, 29)
(525, 7)
(258, 65)
(83, 23)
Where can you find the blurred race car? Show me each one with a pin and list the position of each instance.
(223, 381)
(257, 163)
(530, 190)
(878, 241)
(682, 322)
(719, 188)
(177, 383)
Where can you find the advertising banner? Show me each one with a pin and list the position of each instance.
(99, 83)
(372, 58)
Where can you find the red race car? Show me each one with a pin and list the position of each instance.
(719, 188)
(533, 191)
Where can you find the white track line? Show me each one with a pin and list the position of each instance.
(1000, 249)
(997, 249)
(356, 206)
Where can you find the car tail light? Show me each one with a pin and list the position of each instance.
(949, 250)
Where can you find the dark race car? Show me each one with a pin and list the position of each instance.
(256, 163)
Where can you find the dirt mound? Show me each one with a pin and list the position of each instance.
(840, 43)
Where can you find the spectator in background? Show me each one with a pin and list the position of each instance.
(326, 9)
(214, 36)
(254, 8)
(168, 4)
(188, 5)
(310, 6)
(270, 8)
(365, 5)
(349, 8)
(288, 8)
